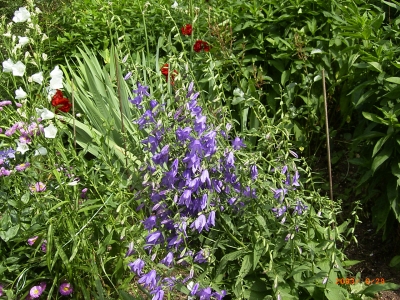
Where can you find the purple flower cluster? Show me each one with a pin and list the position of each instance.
(289, 183)
(191, 182)
(26, 132)
(4, 103)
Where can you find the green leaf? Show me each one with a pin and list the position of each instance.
(395, 261)
(377, 66)
(373, 289)
(393, 79)
(285, 77)
(348, 263)
(25, 198)
(335, 292)
(374, 118)
(259, 250)
(381, 158)
(379, 144)
(224, 261)
(10, 233)
(246, 267)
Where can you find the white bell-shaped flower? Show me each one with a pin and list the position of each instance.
(44, 113)
(22, 147)
(56, 79)
(50, 131)
(40, 151)
(21, 15)
(20, 94)
(18, 69)
(8, 65)
(23, 40)
(38, 77)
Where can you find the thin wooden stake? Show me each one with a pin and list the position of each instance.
(328, 147)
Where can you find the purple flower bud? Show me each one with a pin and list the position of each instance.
(253, 172)
(127, 76)
(194, 289)
(211, 219)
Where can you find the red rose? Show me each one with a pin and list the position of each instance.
(60, 102)
(201, 45)
(165, 72)
(187, 29)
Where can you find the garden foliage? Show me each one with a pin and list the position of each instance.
(167, 168)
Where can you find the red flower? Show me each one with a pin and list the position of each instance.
(187, 29)
(60, 102)
(165, 72)
(201, 45)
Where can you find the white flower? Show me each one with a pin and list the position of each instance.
(38, 77)
(40, 151)
(74, 182)
(8, 65)
(175, 5)
(44, 113)
(18, 69)
(37, 10)
(21, 15)
(44, 37)
(22, 147)
(50, 131)
(23, 40)
(20, 94)
(56, 79)
(238, 92)
(44, 56)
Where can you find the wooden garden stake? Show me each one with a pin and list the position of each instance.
(328, 148)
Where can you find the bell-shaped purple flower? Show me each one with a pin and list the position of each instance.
(220, 295)
(168, 260)
(183, 134)
(186, 198)
(200, 124)
(158, 293)
(211, 219)
(150, 222)
(296, 178)
(230, 160)
(161, 157)
(137, 266)
(237, 143)
(200, 223)
(205, 294)
(149, 280)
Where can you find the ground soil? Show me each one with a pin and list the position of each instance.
(374, 253)
(375, 256)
